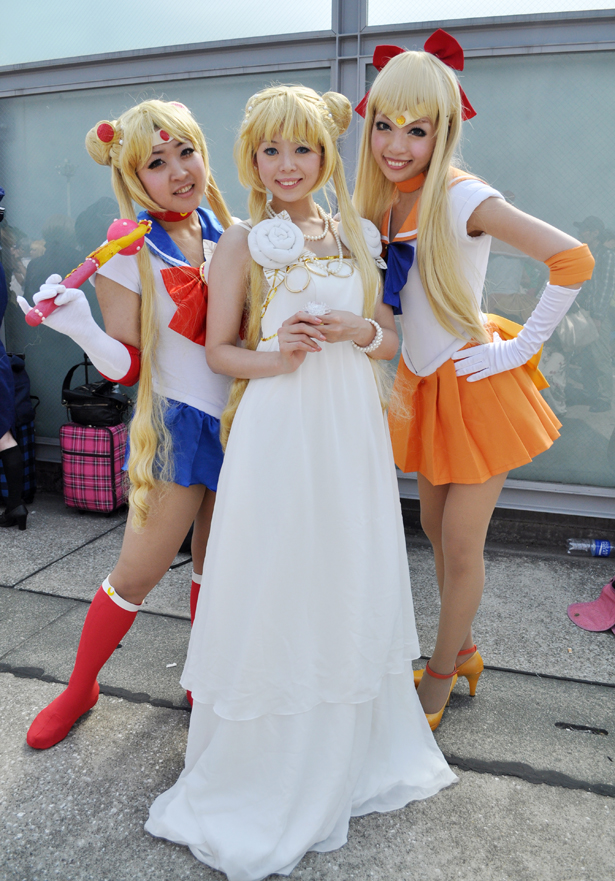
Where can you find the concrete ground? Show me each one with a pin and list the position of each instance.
(534, 751)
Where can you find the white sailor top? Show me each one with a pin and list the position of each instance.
(426, 344)
(181, 371)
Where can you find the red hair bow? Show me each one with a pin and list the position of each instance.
(443, 46)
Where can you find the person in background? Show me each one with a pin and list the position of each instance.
(503, 282)
(15, 258)
(37, 248)
(609, 245)
(92, 224)
(505, 279)
(15, 513)
(595, 359)
(61, 253)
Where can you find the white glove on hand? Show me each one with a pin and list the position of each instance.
(74, 319)
(490, 358)
(501, 355)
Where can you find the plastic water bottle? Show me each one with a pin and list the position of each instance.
(594, 547)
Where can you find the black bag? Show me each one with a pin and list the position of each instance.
(95, 403)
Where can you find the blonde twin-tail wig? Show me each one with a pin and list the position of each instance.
(299, 115)
(126, 148)
(422, 85)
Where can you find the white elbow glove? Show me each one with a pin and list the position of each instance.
(75, 320)
(501, 355)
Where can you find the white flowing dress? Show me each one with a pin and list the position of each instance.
(305, 711)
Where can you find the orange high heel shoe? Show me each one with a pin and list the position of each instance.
(472, 668)
(434, 719)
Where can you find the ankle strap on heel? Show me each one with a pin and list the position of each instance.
(469, 651)
(439, 675)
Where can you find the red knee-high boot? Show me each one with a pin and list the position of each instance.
(194, 598)
(108, 620)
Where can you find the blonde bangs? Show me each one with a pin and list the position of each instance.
(293, 113)
(402, 102)
(295, 116)
(407, 83)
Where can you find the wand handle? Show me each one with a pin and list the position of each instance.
(123, 244)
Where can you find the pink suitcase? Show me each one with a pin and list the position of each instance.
(92, 460)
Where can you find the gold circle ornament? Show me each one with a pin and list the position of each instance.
(297, 278)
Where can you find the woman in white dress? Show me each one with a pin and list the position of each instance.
(305, 712)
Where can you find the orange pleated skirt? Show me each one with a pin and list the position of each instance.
(454, 431)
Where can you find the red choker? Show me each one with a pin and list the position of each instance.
(407, 186)
(169, 216)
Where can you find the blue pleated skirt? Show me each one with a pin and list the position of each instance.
(197, 452)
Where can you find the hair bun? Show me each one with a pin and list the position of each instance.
(99, 141)
(340, 109)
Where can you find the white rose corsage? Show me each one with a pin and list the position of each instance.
(275, 243)
(372, 240)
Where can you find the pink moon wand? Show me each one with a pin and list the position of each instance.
(124, 237)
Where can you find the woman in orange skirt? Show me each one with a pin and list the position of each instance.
(466, 406)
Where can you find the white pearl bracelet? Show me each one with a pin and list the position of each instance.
(374, 343)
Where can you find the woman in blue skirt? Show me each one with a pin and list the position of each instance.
(154, 306)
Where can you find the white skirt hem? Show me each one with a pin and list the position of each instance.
(256, 795)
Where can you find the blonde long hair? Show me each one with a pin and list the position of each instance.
(419, 83)
(126, 147)
(300, 115)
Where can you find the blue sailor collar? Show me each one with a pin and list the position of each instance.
(160, 242)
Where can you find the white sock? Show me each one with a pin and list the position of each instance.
(117, 599)
(196, 578)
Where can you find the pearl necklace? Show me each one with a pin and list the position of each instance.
(329, 225)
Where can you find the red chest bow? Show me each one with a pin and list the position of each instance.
(188, 289)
